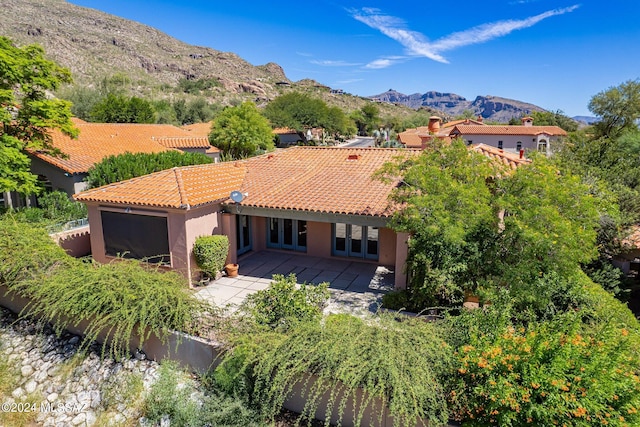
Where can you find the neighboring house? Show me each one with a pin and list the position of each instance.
(191, 144)
(99, 140)
(286, 137)
(513, 139)
(419, 137)
(320, 201)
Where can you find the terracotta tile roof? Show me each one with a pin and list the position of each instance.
(508, 159)
(314, 179)
(321, 179)
(181, 142)
(413, 138)
(506, 130)
(180, 188)
(99, 140)
(284, 131)
(199, 129)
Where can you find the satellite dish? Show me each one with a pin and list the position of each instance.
(237, 196)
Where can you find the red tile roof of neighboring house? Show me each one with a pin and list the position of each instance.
(281, 131)
(181, 142)
(507, 159)
(199, 129)
(413, 138)
(314, 179)
(506, 130)
(99, 140)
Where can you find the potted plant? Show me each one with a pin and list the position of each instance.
(232, 270)
(210, 253)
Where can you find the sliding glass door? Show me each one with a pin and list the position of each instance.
(355, 241)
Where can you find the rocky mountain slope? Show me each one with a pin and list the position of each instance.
(492, 108)
(93, 44)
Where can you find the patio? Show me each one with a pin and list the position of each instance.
(355, 286)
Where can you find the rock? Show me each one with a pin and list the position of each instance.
(41, 375)
(31, 386)
(17, 393)
(96, 399)
(52, 397)
(26, 370)
(79, 419)
(91, 418)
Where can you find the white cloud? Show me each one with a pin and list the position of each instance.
(330, 63)
(384, 62)
(349, 81)
(417, 44)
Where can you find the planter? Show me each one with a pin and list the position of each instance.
(231, 269)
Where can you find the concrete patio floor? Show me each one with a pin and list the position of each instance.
(356, 286)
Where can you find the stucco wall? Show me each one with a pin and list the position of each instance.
(259, 233)
(204, 221)
(70, 184)
(509, 142)
(387, 246)
(319, 239)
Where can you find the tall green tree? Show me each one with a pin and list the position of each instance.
(241, 131)
(298, 111)
(129, 165)
(617, 107)
(117, 108)
(477, 225)
(27, 113)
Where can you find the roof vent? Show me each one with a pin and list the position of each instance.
(353, 157)
(270, 156)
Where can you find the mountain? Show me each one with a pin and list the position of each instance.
(93, 44)
(491, 108)
(585, 119)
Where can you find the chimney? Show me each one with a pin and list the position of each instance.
(527, 121)
(480, 119)
(434, 124)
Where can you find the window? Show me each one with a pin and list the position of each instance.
(500, 145)
(355, 241)
(243, 234)
(469, 142)
(542, 145)
(519, 146)
(285, 233)
(143, 237)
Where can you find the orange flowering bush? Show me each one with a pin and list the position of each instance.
(559, 372)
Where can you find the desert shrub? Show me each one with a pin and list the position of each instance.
(170, 395)
(402, 363)
(125, 296)
(211, 253)
(579, 367)
(285, 301)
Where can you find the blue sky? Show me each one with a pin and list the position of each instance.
(553, 53)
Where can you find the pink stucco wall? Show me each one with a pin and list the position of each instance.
(319, 239)
(204, 221)
(402, 252)
(387, 249)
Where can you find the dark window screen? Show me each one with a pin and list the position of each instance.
(136, 236)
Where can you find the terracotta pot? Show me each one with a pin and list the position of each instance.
(231, 269)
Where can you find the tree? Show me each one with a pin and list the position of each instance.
(554, 118)
(116, 108)
(128, 165)
(618, 108)
(241, 131)
(26, 112)
(298, 111)
(477, 225)
(367, 118)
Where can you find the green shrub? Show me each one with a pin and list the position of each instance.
(211, 253)
(124, 296)
(560, 371)
(285, 301)
(170, 395)
(402, 363)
